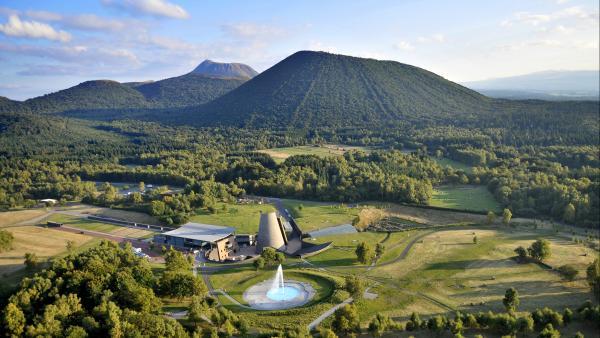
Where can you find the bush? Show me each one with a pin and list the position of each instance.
(6, 240)
(568, 272)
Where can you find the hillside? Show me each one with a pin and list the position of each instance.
(89, 95)
(219, 70)
(186, 90)
(322, 89)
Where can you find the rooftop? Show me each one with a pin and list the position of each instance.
(201, 232)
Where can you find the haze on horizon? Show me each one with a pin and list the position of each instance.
(50, 45)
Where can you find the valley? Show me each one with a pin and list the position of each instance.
(397, 202)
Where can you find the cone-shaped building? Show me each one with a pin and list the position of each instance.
(270, 233)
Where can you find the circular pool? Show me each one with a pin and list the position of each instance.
(262, 296)
(283, 294)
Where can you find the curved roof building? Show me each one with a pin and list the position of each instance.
(270, 233)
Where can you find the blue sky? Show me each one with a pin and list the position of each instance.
(50, 45)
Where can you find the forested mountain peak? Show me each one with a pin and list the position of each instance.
(214, 69)
(311, 88)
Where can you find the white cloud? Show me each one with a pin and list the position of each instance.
(79, 54)
(575, 13)
(32, 29)
(439, 38)
(404, 45)
(158, 8)
(249, 30)
(88, 22)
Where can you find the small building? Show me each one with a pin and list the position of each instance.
(53, 224)
(218, 241)
(244, 240)
(49, 201)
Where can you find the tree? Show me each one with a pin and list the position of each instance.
(414, 323)
(6, 240)
(521, 253)
(141, 186)
(355, 286)
(197, 309)
(525, 324)
(364, 253)
(180, 284)
(157, 208)
(540, 250)
(327, 333)
(379, 249)
(549, 332)
(474, 239)
(567, 316)
(136, 198)
(569, 213)
(436, 324)
(70, 245)
(491, 217)
(511, 300)
(31, 260)
(175, 260)
(14, 320)
(346, 320)
(506, 216)
(379, 324)
(568, 271)
(259, 263)
(593, 276)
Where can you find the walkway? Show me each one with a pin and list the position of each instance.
(328, 313)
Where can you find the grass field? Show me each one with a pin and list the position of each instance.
(467, 197)
(446, 162)
(9, 218)
(45, 243)
(243, 217)
(85, 224)
(314, 215)
(280, 154)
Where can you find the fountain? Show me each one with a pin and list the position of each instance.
(277, 293)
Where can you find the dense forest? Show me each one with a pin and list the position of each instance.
(54, 157)
(539, 159)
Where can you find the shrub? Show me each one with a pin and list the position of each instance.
(568, 272)
(6, 240)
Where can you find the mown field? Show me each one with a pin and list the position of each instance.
(280, 154)
(46, 243)
(312, 216)
(90, 225)
(243, 217)
(446, 162)
(466, 197)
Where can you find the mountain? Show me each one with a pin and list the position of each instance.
(552, 85)
(89, 95)
(310, 89)
(219, 70)
(100, 99)
(187, 90)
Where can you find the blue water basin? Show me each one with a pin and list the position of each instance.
(283, 294)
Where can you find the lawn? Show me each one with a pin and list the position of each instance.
(243, 217)
(449, 268)
(466, 197)
(314, 215)
(89, 225)
(280, 154)
(44, 242)
(446, 162)
(9, 218)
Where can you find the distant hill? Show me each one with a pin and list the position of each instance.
(101, 98)
(187, 90)
(321, 89)
(219, 70)
(548, 85)
(97, 94)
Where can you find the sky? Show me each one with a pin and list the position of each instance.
(55, 44)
